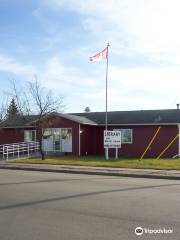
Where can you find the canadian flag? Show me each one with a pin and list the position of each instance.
(100, 56)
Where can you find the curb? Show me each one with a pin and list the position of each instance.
(70, 170)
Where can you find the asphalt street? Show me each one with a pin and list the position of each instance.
(58, 206)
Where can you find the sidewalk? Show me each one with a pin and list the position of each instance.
(121, 172)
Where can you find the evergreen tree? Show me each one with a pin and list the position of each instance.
(12, 110)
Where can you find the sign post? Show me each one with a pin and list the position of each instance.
(112, 139)
(116, 153)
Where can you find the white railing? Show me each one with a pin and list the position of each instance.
(18, 149)
(177, 155)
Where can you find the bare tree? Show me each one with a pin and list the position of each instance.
(3, 107)
(36, 100)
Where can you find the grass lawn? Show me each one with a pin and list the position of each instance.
(168, 164)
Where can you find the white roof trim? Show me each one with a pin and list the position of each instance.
(139, 124)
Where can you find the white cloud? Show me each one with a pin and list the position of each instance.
(139, 88)
(11, 65)
(56, 76)
(154, 80)
(135, 28)
(128, 88)
(143, 27)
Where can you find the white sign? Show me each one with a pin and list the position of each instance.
(112, 139)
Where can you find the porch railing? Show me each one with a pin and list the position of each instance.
(18, 149)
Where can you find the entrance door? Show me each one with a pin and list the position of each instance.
(47, 144)
(57, 142)
(66, 141)
(67, 145)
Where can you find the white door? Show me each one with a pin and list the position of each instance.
(67, 145)
(47, 145)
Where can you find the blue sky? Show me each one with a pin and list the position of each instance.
(53, 39)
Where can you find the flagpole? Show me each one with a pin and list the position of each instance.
(106, 115)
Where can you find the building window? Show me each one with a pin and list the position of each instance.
(57, 139)
(66, 133)
(126, 135)
(29, 135)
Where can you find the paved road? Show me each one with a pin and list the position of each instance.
(56, 206)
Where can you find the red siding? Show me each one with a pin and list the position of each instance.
(92, 141)
(11, 135)
(88, 140)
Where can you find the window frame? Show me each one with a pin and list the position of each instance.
(131, 134)
(30, 135)
(59, 131)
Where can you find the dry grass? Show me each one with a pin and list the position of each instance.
(167, 164)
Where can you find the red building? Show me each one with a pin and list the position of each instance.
(82, 133)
